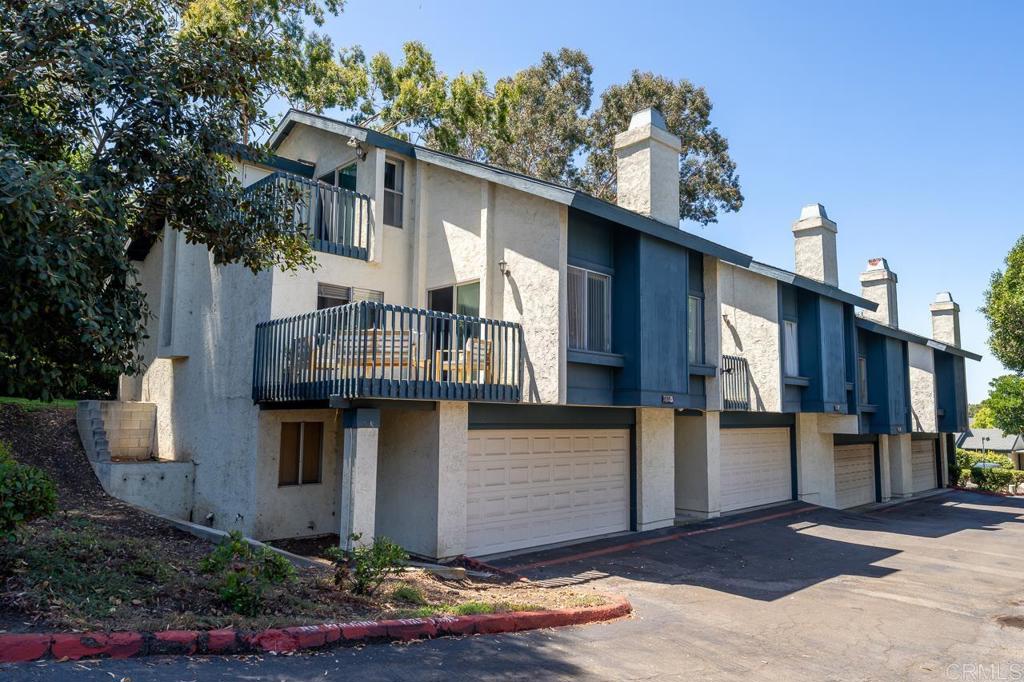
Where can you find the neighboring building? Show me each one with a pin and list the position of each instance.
(993, 440)
(483, 362)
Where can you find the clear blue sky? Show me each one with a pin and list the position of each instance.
(906, 120)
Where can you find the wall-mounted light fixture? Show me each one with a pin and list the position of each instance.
(360, 152)
(503, 268)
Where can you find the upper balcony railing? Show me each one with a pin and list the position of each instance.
(377, 350)
(337, 220)
(735, 383)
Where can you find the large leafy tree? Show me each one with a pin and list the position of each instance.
(553, 133)
(113, 118)
(1006, 403)
(1004, 309)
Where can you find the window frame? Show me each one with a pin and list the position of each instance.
(697, 356)
(455, 296)
(585, 306)
(789, 347)
(397, 191)
(324, 290)
(863, 395)
(300, 479)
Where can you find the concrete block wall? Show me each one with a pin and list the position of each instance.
(130, 427)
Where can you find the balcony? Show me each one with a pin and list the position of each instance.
(337, 220)
(377, 350)
(735, 383)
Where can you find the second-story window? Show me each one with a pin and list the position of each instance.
(862, 380)
(394, 191)
(331, 295)
(791, 348)
(695, 329)
(590, 306)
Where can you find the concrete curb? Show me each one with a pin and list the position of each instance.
(20, 648)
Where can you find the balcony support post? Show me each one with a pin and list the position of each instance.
(359, 475)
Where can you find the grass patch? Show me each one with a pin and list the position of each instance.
(409, 594)
(33, 405)
(469, 608)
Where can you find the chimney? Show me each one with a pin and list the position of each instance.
(647, 157)
(814, 237)
(945, 319)
(878, 284)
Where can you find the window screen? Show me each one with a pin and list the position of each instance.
(589, 296)
(393, 192)
(791, 347)
(695, 329)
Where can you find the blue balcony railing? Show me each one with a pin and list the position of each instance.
(377, 350)
(337, 220)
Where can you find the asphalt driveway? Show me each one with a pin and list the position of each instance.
(930, 589)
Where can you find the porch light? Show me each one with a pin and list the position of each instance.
(503, 267)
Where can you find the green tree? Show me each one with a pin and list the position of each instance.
(113, 118)
(1004, 310)
(983, 418)
(1006, 402)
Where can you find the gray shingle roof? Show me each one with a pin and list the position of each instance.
(995, 440)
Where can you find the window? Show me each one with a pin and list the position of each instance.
(330, 295)
(862, 380)
(461, 299)
(791, 348)
(589, 310)
(342, 177)
(301, 453)
(695, 329)
(394, 186)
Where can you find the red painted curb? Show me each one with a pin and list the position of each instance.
(20, 648)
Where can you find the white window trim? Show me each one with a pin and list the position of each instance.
(399, 165)
(586, 308)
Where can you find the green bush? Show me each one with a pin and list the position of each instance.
(26, 493)
(992, 480)
(959, 477)
(366, 567)
(244, 573)
(968, 459)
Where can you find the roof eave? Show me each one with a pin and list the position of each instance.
(910, 337)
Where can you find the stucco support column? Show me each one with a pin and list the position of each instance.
(900, 471)
(883, 468)
(944, 460)
(698, 466)
(816, 457)
(452, 460)
(359, 474)
(655, 468)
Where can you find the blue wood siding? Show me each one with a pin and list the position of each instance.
(888, 383)
(822, 329)
(650, 282)
(951, 391)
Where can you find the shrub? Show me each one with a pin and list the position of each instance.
(409, 594)
(968, 459)
(366, 567)
(26, 493)
(992, 480)
(959, 477)
(244, 573)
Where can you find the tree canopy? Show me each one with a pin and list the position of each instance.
(113, 118)
(1004, 310)
(1006, 403)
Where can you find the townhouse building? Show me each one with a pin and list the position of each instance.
(482, 362)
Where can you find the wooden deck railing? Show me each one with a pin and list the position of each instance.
(337, 220)
(377, 350)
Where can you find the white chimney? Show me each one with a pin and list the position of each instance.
(878, 284)
(814, 237)
(647, 156)
(945, 319)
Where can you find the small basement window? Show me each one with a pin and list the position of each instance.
(301, 455)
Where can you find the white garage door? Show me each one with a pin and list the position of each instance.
(755, 467)
(922, 456)
(527, 488)
(855, 475)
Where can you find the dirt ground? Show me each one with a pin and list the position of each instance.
(102, 564)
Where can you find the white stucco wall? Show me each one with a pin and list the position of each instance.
(655, 468)
(750, 329)
(296, 510)
(922, 389)
(421, 478)
(698, 466)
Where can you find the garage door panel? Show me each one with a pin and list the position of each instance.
(922, 465)
(577, 486)
(756, 467)
(855, 475)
